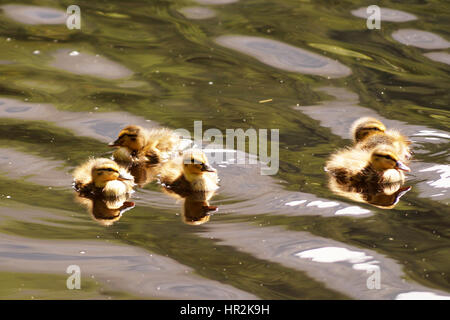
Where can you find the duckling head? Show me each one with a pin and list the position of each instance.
(364, 127)
(195, 164)
(105, 171)
(385, 158)
(130, 137)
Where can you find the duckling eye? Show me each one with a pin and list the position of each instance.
(386, 157)
(100, 171)
(373, 128)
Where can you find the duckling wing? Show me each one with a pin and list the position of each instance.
(346, 164)
(82, 174)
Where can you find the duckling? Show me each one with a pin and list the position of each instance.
(136, 144)
(364, 127)
(103, 177)
(381, 165)
(189, 173)
(369, 132)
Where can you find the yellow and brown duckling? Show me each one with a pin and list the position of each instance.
(188, 173)
(368, 133)
(380, 165)
(365, 127)
(136, 144)
(103, 177)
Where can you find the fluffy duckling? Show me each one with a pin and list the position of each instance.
(103, 177)
(380, 165)
(364, 127)
(136, 144)
(189, 173)
(368, 133)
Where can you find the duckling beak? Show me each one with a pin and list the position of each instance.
(122, 177)
(114, 144)
(402, 166)
(210, 209)
(207, 168)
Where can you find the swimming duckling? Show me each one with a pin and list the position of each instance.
(369, 133)
(189, 173)
(136, 144)
(102, 177)
(381, 165)
(364, 127)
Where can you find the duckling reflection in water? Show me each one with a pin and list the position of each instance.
(103, 210)
(196, 208)
(368, 133)
(136, 144)
(103, 177)
(381, 195)
(143, 173)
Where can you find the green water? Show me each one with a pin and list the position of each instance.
(170, 70)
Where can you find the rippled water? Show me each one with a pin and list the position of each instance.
(307, 68)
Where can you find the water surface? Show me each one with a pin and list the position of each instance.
(307, 68)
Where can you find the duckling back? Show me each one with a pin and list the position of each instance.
(165, 140)
(347, 163)
(82, 174)
(365, 127)
(391, 138)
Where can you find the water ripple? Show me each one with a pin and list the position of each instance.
(284, 56)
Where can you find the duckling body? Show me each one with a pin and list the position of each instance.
(103, 177)
(136, 144)
(368, 133)
(353, 166)
(189, 173)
